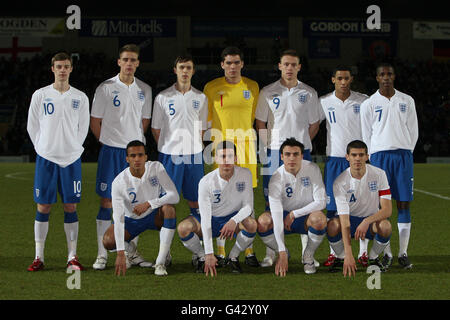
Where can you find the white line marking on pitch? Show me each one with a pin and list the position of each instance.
(432, 194)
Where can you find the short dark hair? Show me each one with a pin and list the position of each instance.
(342, 67)
(292, 142)
(183, 58)
(356, 144)
(131, 47)
(384, 65)
(232, 51)
(289, 52)
(226, 144)
(61, 56)
(136, 143)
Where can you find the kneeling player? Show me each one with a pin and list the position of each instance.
(363, 202)
(143, 196)
(296, 198)
(225, 198)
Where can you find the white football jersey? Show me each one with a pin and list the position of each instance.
(288, 112)
(155, 187)
(180, 117)
(58, 124)
(122, 109)
(219, 198)
(361, 197)
(302, 194)
(343, 121)
(389, 124)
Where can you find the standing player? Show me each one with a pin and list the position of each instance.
(231, 109)
(143, 196)
(58, 123)
(341, 108)
(287, 108)
(363, 202)
(226, 205)
(179, 119)
(390, 129)
(296, 198)
(121, 113)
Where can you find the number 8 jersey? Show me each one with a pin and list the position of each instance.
(58, 124)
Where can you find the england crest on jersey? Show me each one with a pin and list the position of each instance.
(75, 104)
(302, 98)
(306, 181)
(402, 107)
(247, 94)
(141, 95)
(356, 108)
(195, 104)
(373, 186)
(240, 186)
(154, 181)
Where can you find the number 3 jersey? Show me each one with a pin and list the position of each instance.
(343, 121)
(154, 187)
(122, 108)
(361, 197)
(58, 124)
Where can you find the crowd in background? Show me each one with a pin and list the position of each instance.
(425, 80)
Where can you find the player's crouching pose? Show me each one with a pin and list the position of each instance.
(363, 201)
(296, 198)
(143, 196)
(225, 205)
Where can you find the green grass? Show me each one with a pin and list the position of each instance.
(428, 250)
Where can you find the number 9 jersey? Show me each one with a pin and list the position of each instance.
(58, 124)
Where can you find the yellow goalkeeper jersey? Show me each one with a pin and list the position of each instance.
(231, 111)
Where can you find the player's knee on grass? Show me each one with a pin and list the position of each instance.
(264, 222)
(333, 227)
(384, 228)
(250, 225)
(317, 220)
(44, 208)
(70, 207)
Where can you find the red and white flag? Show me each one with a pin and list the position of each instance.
(20, 47)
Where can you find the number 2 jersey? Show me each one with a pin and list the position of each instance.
(361, 197)
(154, 187)
(58, 124)
(122, 108)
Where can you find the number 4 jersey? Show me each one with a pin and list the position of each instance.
(122, 109)
(58, 124)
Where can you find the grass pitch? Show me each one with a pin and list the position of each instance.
(428, 250)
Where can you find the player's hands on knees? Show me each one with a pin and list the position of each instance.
(281, 267)
(227, 230)
(210, 265)
(141, 208)
(361, 230)
(121, 265)
(289, 220)
(349, 266)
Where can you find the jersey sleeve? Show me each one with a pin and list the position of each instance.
(204, 206)
(33, 117)
(147, 109)
(157, 116)
(262, 108)
(99, 102)
(118, 207)
(276, 210)
(384, 190)
(366, 122)
(412, 124)
(342, 205)
(83, 121)
(171, 194)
